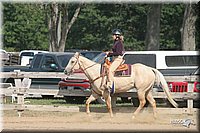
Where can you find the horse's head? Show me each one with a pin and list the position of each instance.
(72, 64)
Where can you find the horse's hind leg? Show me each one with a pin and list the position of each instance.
(152, 102)
(141, 97)
(89, 100)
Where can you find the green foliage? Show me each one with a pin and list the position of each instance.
(26, 27)
(171, 22)
(96, 21)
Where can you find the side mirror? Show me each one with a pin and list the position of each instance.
(54, 66)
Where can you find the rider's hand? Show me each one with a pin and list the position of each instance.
(107, 52)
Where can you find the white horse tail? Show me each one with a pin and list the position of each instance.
(161, 80)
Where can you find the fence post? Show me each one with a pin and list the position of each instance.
(21, 88)
(190, 101)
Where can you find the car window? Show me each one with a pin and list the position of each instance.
(64, 59)
(184, 60)
(146, 59)
(36, 61)
(48, 60)
(27, 54)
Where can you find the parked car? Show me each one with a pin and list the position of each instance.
(183, 87)
(170, 63)
(26, 56)
(42, 62)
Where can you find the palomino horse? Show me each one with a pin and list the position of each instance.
(142, 78)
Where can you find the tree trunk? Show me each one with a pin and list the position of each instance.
(188, 29)
(59, 25)
(152, 39)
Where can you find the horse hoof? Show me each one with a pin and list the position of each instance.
(88, 113)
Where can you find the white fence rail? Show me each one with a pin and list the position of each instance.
(190, 95)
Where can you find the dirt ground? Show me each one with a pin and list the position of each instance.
(97, 121)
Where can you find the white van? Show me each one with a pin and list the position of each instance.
(168, 62)
(27, 55)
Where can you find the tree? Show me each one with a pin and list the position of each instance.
(170, 23)
(96, 21)
(24, 27)
(188, 28)
(153, 27)
(59, 25)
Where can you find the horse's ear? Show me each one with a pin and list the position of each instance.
(77, 54)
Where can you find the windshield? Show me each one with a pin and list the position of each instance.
(64, 59)
(90, 54)
(100, 58)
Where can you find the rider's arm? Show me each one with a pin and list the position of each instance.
(118, 49)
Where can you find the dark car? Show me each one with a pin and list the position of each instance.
(42, 62)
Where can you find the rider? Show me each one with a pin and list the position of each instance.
(116, 55)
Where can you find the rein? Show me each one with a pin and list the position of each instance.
(84, 69)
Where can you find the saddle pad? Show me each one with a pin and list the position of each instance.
(126, 72)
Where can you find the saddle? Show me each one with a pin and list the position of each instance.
(122, 70)
(122, 67)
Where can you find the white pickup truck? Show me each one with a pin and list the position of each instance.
(27, 55)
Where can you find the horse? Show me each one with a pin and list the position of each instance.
(142, 77)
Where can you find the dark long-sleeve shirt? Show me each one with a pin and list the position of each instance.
(117, 49)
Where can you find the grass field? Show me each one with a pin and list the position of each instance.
(62, 102)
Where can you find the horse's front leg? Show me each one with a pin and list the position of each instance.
(109, 106)
(106, 95)
(89, 100)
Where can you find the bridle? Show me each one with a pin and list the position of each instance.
(80, 66)
(84, 69)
